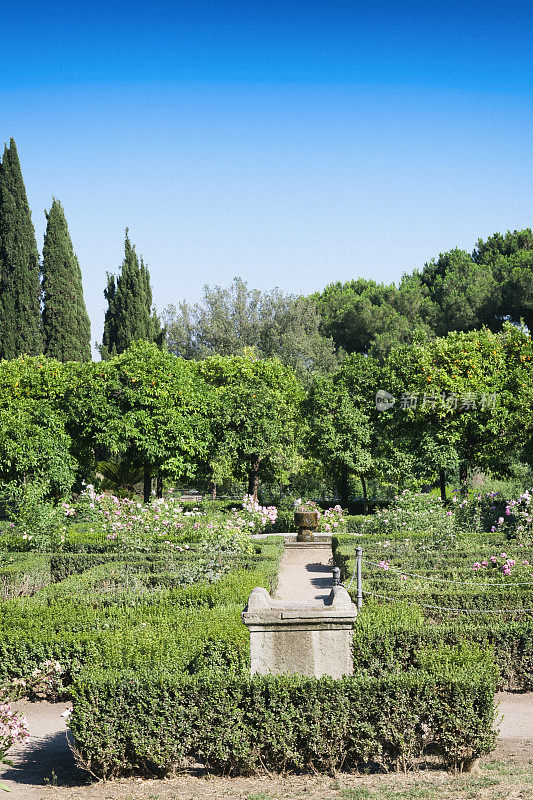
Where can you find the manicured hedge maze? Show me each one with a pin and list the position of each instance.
(134, 611)
(392, 634)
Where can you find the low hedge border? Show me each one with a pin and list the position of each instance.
(392, 636)
(156, 723)
(381, 644)
(97, 617)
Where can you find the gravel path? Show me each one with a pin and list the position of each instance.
(46, 760)
(517, 710)
(305, 575)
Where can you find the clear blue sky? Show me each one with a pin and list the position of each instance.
(291, 143)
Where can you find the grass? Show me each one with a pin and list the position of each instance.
(496, 780)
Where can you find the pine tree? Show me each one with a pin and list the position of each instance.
(66, 325)
(129, 314)
(20, 289)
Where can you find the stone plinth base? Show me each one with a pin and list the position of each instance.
(318, 543)
(310, 640)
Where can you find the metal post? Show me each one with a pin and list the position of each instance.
(359, 553)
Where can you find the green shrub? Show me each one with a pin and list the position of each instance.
(397, 638)
(134, 612)
(284, 522)
(392, 635)
(354, 522)
(154, 722)
(136, 637)
(23, 574)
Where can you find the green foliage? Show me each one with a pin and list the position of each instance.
(66, 325)
(38, 521)
(129, 316)
(164, 608)
(457, 291)
(34, 450)
(20, 291)
(464, 291)
(393, 643)
(423, 576)
(338, 413)
(119, 475)
(273, 324)
(442, 430)
(362, 316)
(21, 574)
(254, 417)
(242, 726)
(145, 405)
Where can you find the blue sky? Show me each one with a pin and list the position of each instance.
(293, 143)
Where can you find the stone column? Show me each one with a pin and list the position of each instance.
(306, 639)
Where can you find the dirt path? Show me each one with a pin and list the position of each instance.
(305, 575)
(517, 710)
(45, 769)
(47, 758)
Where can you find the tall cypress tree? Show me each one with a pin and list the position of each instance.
(129, 315)
(66, 325)
(20, 289)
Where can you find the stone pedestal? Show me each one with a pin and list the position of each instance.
(311, 640)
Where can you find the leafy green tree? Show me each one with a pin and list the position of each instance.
(66, 325)
(35, 444)
(464, 292)
(146, 406)
(20, 290)
(515, 276)
(363, 316)
(510, 256)
(490, 286)
(129, 316)
(339, 414)
(255, 416)
(508, 244)
(35, 447)
(463, 401)
(274, 324)
(511, 259)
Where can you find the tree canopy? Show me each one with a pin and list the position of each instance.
(20, 290)
(254, 417)
(340, 430)
(274, 324)
(66, 325)
(129, 316)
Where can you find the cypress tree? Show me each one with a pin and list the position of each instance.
(20, 289)
(66, 325)
(129, 315)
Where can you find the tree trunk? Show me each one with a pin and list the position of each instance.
(147, 484)
(442, 481)
(159, 486)
(253, 477)
(343, 486)
(463, 478)
(365, 495)
(213, 491)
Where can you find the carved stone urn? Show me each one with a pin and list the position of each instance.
(307, 522)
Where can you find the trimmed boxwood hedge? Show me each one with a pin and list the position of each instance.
(391, 643)
(154, 723)
(127, 614)
(23, 574)
(392, 636)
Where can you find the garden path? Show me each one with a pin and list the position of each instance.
(305, 575)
